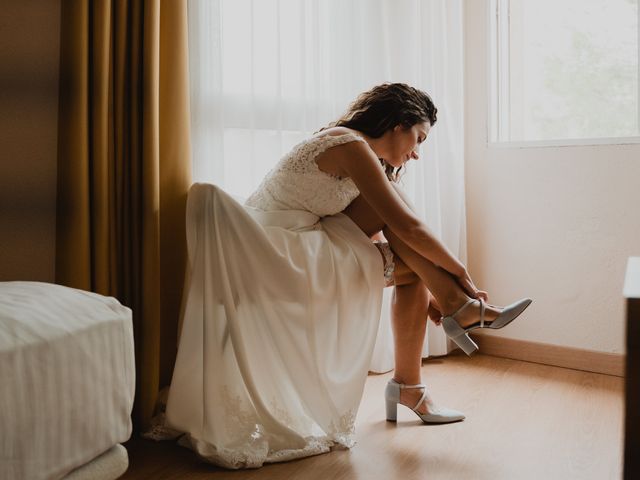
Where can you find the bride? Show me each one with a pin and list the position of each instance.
(284, 292)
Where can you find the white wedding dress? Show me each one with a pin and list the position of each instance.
(280, 316)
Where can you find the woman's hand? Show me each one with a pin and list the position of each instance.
(469, 287)
(434, 312)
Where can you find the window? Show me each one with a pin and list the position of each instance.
(265, 74)
(564, 72)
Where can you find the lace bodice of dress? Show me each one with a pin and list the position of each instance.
(296, 182)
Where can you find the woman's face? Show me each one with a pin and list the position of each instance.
(403, 143)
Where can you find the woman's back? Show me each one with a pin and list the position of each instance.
(296, 182)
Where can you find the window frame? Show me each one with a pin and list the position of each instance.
(498, 105)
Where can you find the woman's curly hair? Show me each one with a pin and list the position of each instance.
(385, 106)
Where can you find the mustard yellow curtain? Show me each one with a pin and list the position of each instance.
(124, 168)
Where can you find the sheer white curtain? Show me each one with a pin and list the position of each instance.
(265, 74)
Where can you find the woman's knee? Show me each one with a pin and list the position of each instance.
(363, 215)
(402, 274)
(414, 295)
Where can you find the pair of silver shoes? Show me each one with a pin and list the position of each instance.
(461, 337)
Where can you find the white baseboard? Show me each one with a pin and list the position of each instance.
(559, 356)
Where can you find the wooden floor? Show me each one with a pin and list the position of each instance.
(524, 421)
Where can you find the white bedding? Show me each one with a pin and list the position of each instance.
(67, 378)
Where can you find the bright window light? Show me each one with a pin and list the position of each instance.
(564, 70)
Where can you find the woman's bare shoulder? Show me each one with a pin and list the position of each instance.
(331, 160)
(336, 131)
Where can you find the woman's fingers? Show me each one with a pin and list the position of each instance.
(468, 287)
(433, 310)
(434, 314)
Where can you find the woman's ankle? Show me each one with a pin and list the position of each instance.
(407, 380)
(452, 303)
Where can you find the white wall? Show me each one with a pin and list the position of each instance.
(29, 56)
(555, 224)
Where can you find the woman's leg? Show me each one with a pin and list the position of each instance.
(414, 277)
(409, 309)
(409, 306)
(410, 303)
(439, 282)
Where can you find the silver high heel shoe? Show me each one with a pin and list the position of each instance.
(438, 415)
(461, 335)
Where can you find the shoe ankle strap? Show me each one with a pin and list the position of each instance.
(469, 302)
(424, 395)
(402, 385)
(420, 385)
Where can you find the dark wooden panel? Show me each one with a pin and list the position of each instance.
(632, 381)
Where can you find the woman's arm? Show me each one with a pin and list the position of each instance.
(359, 162)
(437, 244)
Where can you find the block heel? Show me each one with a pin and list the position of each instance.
(459, 336)
(392, 411)
(391, 400)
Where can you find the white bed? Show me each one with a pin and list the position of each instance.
(67, 380)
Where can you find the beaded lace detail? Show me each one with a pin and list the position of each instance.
(296, 182)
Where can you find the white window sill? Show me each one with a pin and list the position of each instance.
(569, 142)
